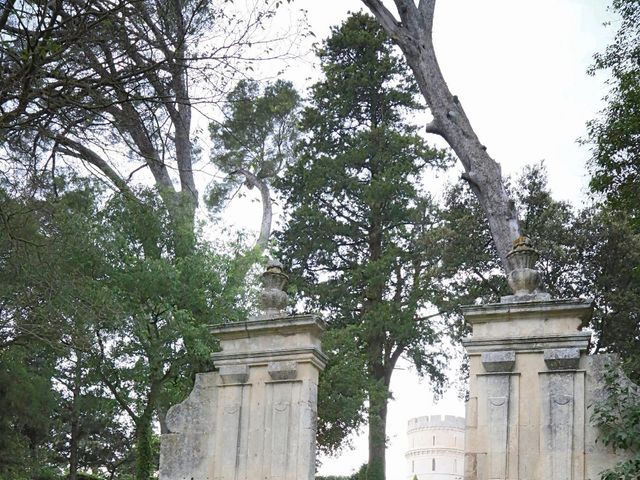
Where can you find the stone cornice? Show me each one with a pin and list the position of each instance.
(269, 325)
(538, 343)
(309, 354)
(577, 308)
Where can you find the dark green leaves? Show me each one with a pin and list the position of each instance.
(358, 237)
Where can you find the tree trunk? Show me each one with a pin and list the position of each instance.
(74, 441)
(378, 397)
(144, 453)
(265, 225)
(182, 211)
(413, 34)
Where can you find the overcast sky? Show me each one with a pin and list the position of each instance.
(519, 70)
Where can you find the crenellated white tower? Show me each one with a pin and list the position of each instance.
(436, 448)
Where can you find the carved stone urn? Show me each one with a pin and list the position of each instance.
(273, 298)
(524, 278)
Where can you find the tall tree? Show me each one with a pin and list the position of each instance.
(361, 237)
(412, 31)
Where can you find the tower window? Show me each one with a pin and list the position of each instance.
(433, 464)
(434, 440)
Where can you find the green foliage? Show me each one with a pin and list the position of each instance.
(256, 138)
(26, 405)
(343, 388)
(259, 129)
(615, 165)
(361, 237)
(94, 295)
(618, 418)
(591, 253)
(610, 255)
(41, 299)
(359, 475)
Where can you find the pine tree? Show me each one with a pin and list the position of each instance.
(360, 239)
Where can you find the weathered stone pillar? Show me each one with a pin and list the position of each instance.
(255, 417)
(531, 383)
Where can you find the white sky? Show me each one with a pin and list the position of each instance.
(519, 69)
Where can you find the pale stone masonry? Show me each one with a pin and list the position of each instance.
(435, 448)
(531, 387)
(255, 417)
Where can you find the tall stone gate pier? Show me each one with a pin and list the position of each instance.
(532, 384)
(255, 417)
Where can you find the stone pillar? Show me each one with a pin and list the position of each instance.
(526, 411)
(255, 417)
(531, 384)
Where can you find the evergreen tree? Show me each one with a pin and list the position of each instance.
(361, 237)
(254, 143)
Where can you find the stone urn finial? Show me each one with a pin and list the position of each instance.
(273, 297)
(523, 278)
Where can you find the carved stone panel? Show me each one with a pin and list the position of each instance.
(280, 411)
(562, 424)
(228, 451)
(500, 425)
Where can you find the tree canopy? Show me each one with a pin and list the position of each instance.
(105, 336)
(360, 237)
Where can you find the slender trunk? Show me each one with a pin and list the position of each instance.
(74, 441)
(265, 225)
(144, 451)
(378, 397)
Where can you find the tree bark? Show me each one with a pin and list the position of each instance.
(265, 225)
(413, 34)
(74, 440)
(378, 397)
(144, 453)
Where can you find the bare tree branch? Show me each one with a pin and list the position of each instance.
(76, 149)
(414, 37)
